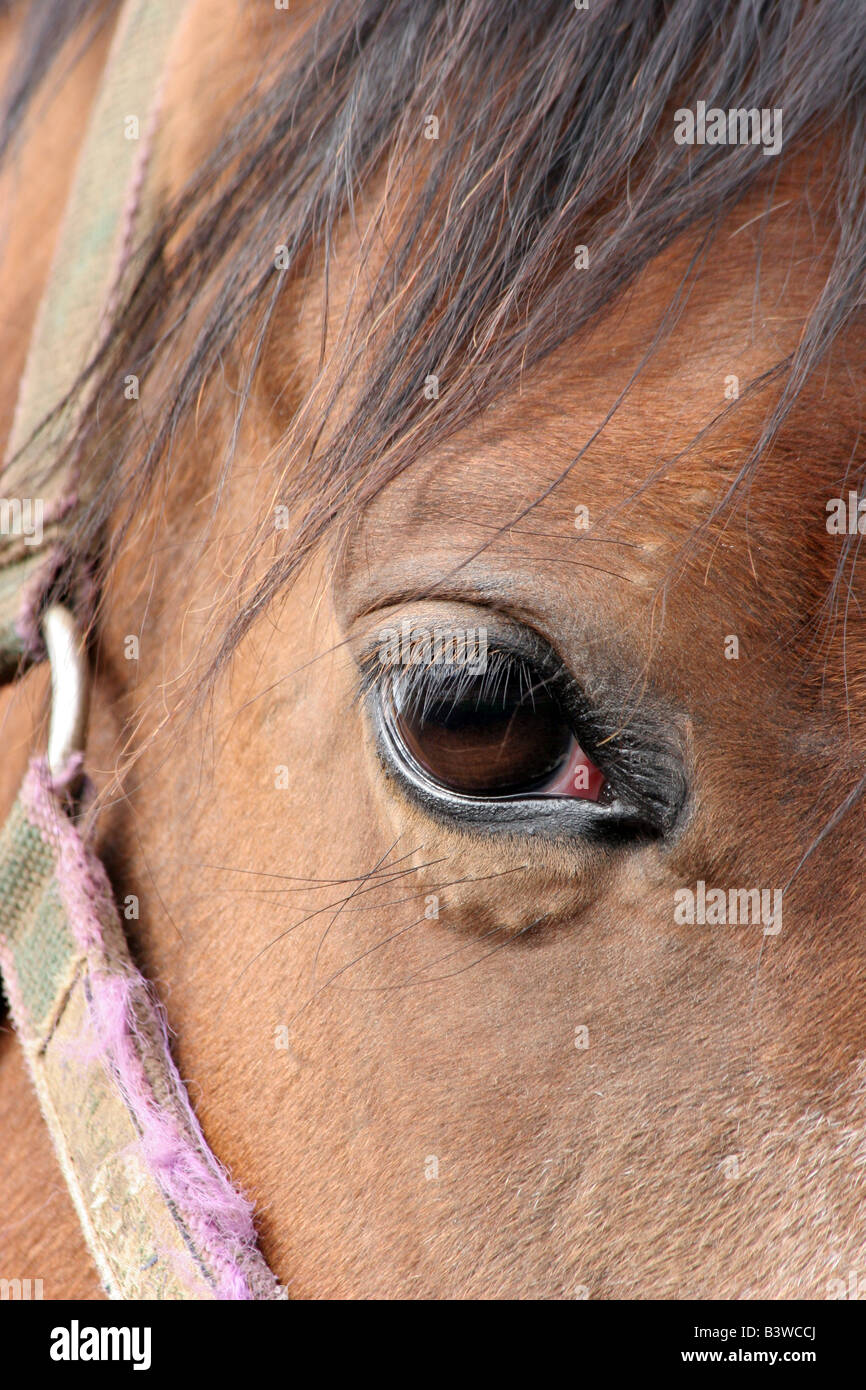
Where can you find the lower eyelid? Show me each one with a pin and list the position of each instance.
(556, 817)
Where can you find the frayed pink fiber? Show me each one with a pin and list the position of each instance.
(129, 215)
(216, 1215)
(214, 1211)
(70, 773)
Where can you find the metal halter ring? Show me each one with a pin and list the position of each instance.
(70, 687)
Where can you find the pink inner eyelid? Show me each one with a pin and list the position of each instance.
(578, 777)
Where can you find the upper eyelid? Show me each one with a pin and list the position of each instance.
(452, 680)
(505, 639)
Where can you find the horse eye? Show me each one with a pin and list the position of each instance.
(497, 734)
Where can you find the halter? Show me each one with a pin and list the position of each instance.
(158, 1212)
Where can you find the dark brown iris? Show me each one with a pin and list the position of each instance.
(504, 741)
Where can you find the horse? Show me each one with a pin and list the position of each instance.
(477, 733)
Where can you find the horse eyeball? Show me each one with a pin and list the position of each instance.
(505, 737)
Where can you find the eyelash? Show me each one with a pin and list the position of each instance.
(433, 683)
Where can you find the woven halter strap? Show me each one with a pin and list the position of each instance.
(158, 1211)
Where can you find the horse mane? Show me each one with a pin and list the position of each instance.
(555, 130)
